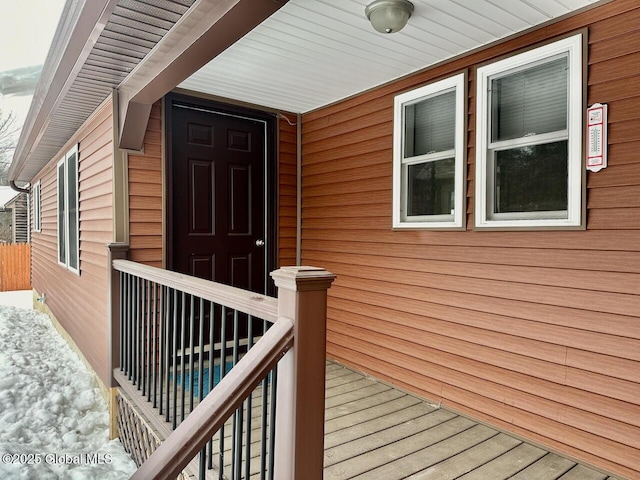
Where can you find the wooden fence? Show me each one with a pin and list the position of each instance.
(15, 267)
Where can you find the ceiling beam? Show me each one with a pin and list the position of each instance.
(207, 29)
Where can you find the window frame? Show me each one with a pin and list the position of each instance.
(572, 48)
(457, 83)
(63, 231)
(37, 206)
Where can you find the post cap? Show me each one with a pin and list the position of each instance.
(303, 278)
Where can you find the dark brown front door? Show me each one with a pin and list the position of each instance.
(218, 201)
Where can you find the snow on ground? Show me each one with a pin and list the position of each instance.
(20, 298)
(53, 419)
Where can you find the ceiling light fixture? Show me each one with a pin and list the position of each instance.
(389, 16)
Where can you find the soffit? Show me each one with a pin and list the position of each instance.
(308, 54)
(311, 53)
(133, 29)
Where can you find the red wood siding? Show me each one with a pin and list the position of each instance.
(287, 191)
(535, 332)
(79, 303)
(145, 196)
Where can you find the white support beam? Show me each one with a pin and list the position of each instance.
(207, 29)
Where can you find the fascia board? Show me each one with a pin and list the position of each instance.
(81, 23)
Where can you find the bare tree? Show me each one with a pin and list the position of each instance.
(8, 130)
(6, 234)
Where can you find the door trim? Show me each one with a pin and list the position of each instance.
(176, 100)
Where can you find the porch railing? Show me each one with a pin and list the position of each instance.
(219, 365)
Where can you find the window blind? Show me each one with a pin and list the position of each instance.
(531, 101)
(430, 125)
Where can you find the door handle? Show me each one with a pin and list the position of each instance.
(259, 243)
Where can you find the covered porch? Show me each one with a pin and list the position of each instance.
(374, 431)
(176, 332)
(474, 317)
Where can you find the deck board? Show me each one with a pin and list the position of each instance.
(394, 416)
(549, 466)
(400, 465)
(382, 437)
(374, 431)
(580, 472)
(356, 412)
(390, 452)
(508, 464)
(349, 386)
(333, 384)
(470, 459)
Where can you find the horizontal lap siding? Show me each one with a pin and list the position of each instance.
(79, 303)
(287, 192)
(536, 332)
(145, 196)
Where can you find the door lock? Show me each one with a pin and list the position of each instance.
(259, 243)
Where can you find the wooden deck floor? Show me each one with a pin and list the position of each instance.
(375, 432)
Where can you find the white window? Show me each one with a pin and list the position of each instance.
(68, 221)
(429, 156)
(529, 139)
(37, 207)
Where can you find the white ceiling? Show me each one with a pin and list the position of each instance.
(314, 52)
(310, 53)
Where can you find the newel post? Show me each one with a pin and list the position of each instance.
(116, 251)
(299, 442)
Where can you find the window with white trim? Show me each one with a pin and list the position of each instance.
(37, 207)
(429, 156)
(529, 138)
(68, 218)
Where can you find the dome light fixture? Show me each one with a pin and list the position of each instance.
(389, 16)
